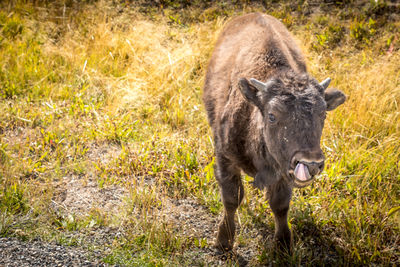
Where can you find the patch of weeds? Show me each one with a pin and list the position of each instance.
(67, 223)
(185, 179)
(212, 13)
(122, 129)
(6, 220)
(200, 242)
(213, 202)
(10, 27)
(175, 20)
(21, 67)
(208, 193)
(389, 43)
(256, 212)
(330, 37)
(342, 2)
(4, 157)
(284, 15)
(12, 199)
(142, 200)
(174, 117)
(149, 243)
(322, 20)
(95, 219)
(378, 8)
(363, 31)
(72, 222)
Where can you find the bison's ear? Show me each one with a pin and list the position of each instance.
(334, 98)
(251, 90)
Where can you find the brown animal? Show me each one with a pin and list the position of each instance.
(270, 127)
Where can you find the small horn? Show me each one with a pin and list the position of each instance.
(325, 83)
(260, 85)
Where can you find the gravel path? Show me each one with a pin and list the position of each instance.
(14, 252)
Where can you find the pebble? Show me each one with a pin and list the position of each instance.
(14, 252)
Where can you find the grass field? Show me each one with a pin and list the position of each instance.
(104, 142)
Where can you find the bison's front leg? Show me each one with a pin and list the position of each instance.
(232, 193)
(279, 199)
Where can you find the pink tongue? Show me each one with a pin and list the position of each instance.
(301, 172)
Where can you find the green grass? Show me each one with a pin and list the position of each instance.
(112, 94)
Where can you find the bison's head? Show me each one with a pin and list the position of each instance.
(293, 109)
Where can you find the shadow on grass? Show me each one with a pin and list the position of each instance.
(311, 245)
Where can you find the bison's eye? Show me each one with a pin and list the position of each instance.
(271, 117)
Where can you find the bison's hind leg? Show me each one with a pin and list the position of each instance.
(232, 193)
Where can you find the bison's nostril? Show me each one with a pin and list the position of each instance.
(321, 166)
(314, 167)
(294, 162)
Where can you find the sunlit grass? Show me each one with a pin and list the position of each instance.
(92, 78)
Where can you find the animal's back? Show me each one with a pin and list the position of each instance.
(254, 45)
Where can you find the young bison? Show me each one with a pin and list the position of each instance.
(267, 114)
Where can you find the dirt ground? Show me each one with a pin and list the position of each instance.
(80, 196)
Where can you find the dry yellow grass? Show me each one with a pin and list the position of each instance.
(113, 98)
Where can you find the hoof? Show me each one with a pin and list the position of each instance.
(223, 244)
(225, 236)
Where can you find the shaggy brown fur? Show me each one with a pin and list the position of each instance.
(267, 132)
